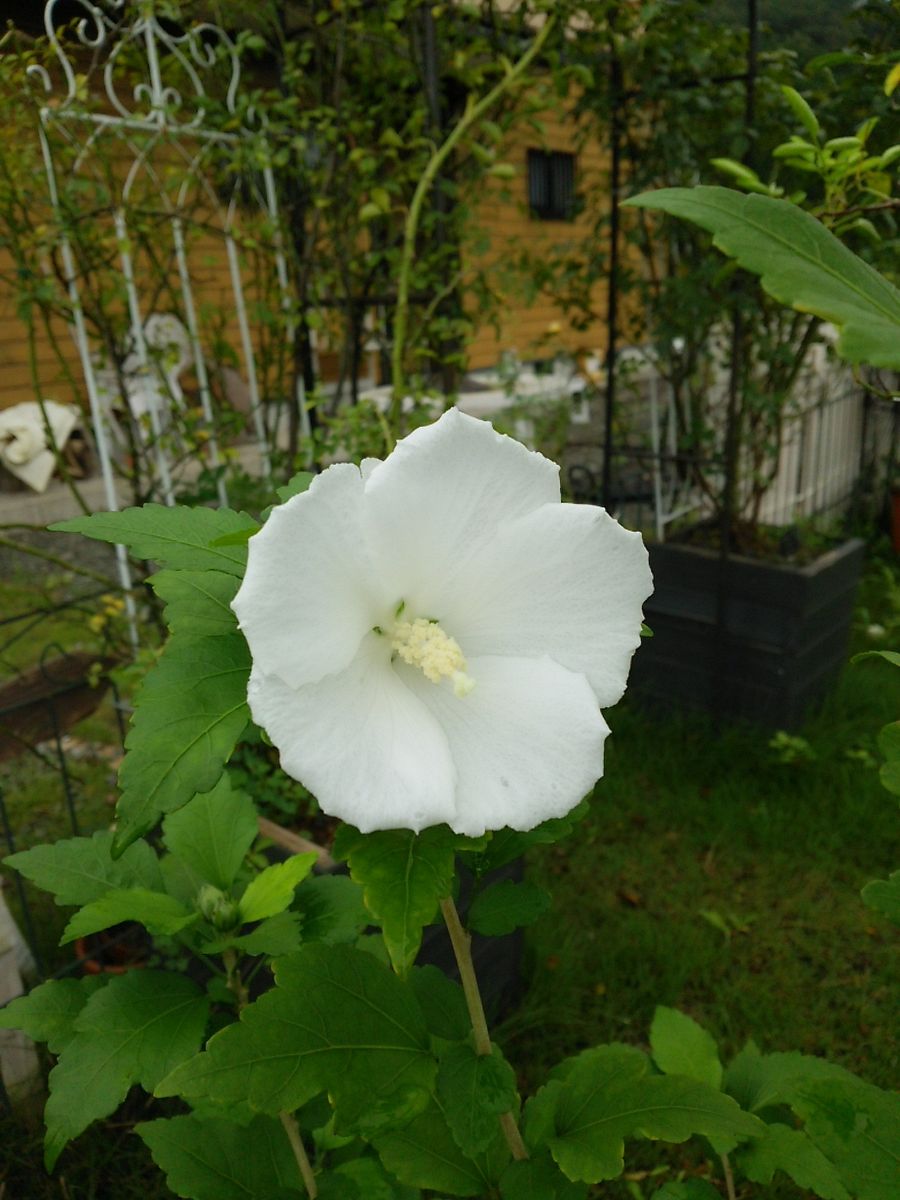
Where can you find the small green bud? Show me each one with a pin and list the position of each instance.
(220, 910)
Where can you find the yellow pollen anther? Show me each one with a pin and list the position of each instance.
(425, 645)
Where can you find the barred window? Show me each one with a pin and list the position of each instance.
(551, 185)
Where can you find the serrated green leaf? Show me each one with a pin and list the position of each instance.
(609, 1095)
(295, 486)
(506, 906)
(81, 869)
(443, 1003)
(687, 1189)
(276, 936)
(857, 1127)
(208, 1159)
(198, 603)
(891, 656)
(424, 1154)
(272, 890)
(133, 1030)
(337, 1021)
(884, 896)
(189, 713)
(404, 875)
(506, 844)
(539, 1178)
(179, 537)
(48, 1012)
(156, 911)
(800, 263)
(473, 1090)
(372, 1181)
(760, 1081)
(332, 909)
(682, 1047)
(784, 1149)
(213, 832)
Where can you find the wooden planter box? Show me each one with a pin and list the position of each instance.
(782, 638)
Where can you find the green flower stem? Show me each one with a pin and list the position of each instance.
(461, 942)
(233, 980)
(474, 111)
(293, 1135)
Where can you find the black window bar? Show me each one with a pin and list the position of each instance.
(551, 185)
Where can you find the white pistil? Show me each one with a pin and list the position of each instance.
(423, 644)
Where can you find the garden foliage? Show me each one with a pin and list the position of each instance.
(304, 1019)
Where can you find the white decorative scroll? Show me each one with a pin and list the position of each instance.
(151, 75)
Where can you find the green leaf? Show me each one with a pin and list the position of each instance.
(208, 1159)
(608, 1095)
(198, 603)
(504, 906)
(688, 1189)
(372, 1181)
(539, 1178)
(157, 912)
(891, 656)
(337, 1021)
(179, 537)
(189, 713)
(48, 1012)
(404, 875)
(884, 896)
(681, 1047)
(507, 844)
(272, 890)
(332, 909)
(801, 111)
(784, 1149)
(295, 486)
(443, 1003)
(424, 1154)
(760, 1081)
(81, 869)
(276, 936)
(799, 262)
(857, 1127)
(213, 832)
(473, 1090)
(133, 1030)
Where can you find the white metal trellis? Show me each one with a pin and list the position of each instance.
(152, 104)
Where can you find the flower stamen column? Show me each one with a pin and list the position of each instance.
(461, 942)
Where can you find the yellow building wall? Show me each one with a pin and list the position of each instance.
(504, 216)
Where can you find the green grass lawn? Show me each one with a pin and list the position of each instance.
(709, 875)
(713, 878)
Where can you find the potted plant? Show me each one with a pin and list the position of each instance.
(752, 618)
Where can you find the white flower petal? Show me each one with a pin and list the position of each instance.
(440, 495)
(368, 750)
(567, 581)
(310, 593)
(527, 742)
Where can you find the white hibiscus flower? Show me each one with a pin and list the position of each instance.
(433, 636)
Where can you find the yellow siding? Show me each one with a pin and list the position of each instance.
(504, 216)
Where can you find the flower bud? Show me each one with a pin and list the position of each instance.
(220, 910)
